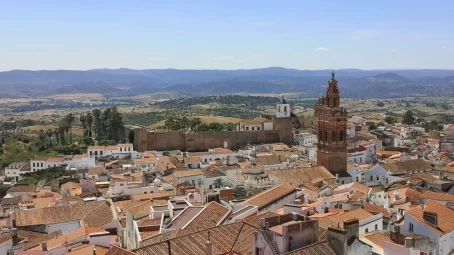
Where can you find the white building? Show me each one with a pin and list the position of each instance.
(357, 155)
(120, 151)
(14, 170)
(38, 163)
(435, 222)
(82, 161)
(376, 176)
(55, 162)
(305, 139)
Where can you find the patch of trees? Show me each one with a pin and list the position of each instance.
(380, 103)
(409, 118)
(390, 120)
(104, 124)
(249, 102)
(183, 124)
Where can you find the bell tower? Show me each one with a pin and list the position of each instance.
(332, 130)
(283, 109)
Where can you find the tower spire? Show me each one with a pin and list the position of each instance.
(332, 76)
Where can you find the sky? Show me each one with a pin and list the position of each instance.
(235, 34)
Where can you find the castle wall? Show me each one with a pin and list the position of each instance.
(204, 141)
(284, 128)
(166, 141)
(144, 140)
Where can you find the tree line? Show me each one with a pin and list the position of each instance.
(184, 124)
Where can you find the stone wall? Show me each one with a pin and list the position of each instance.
(147, 141)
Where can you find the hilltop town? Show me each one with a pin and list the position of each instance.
(329, 183)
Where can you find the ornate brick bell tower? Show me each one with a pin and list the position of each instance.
(332, 127)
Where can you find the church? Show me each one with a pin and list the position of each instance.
(331, 131)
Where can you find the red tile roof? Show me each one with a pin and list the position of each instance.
(445, 217)
(320, 248)
(235, 237)
(437, 196)
(265, 198)
(375, 209)
(211, 216)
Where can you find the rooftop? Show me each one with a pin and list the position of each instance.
(93, 214)
(445, 216)
(187, 173)
(263, 199)
(401, 167)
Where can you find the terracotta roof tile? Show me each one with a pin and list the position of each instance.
(115, 250)
(89, 249)
(96, 170)
(317, 248)
(209, 217)
(401, 167)
(235, 237)
(93, 214)
(187, 173)
(437, 196)
(374, 209)
(270, 195)
(445, 216)
(268, 160)
(300, 175)
(359, 214)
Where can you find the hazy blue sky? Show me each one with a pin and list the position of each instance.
(215, 34)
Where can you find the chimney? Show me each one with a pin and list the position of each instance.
(408, 242)
(14, 237)
(337, 240)
(395, 235)
(352, 228)
(209, 250)
(44, 246)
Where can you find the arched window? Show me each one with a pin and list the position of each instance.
(333, 136)
(285, 108)
(341, 136)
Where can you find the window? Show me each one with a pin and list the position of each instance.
(91, 153)
(333, 136)
(378, 178)
(252, 128)
(376, 227)
(258, 128)
(33, 164)
(342, 182)
(341, 136)
(367, 230)
(42, 164)
(96, 153)
(411, 227)
(357, 179)
(360, 160)
(121, 149)
(257, 250)
(247, 128)
(193, 182)
(100, 153)
(121, 184)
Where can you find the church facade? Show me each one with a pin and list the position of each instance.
(332, 127)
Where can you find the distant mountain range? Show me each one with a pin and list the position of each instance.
(311, 83)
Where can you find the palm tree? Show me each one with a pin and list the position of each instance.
(49, 133)
(57, 135)
(195, 122)
(89, 119)
(98, 123)
(69, 120)
(83, 121)
(42, 137)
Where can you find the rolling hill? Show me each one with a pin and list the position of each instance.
(310, 83)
